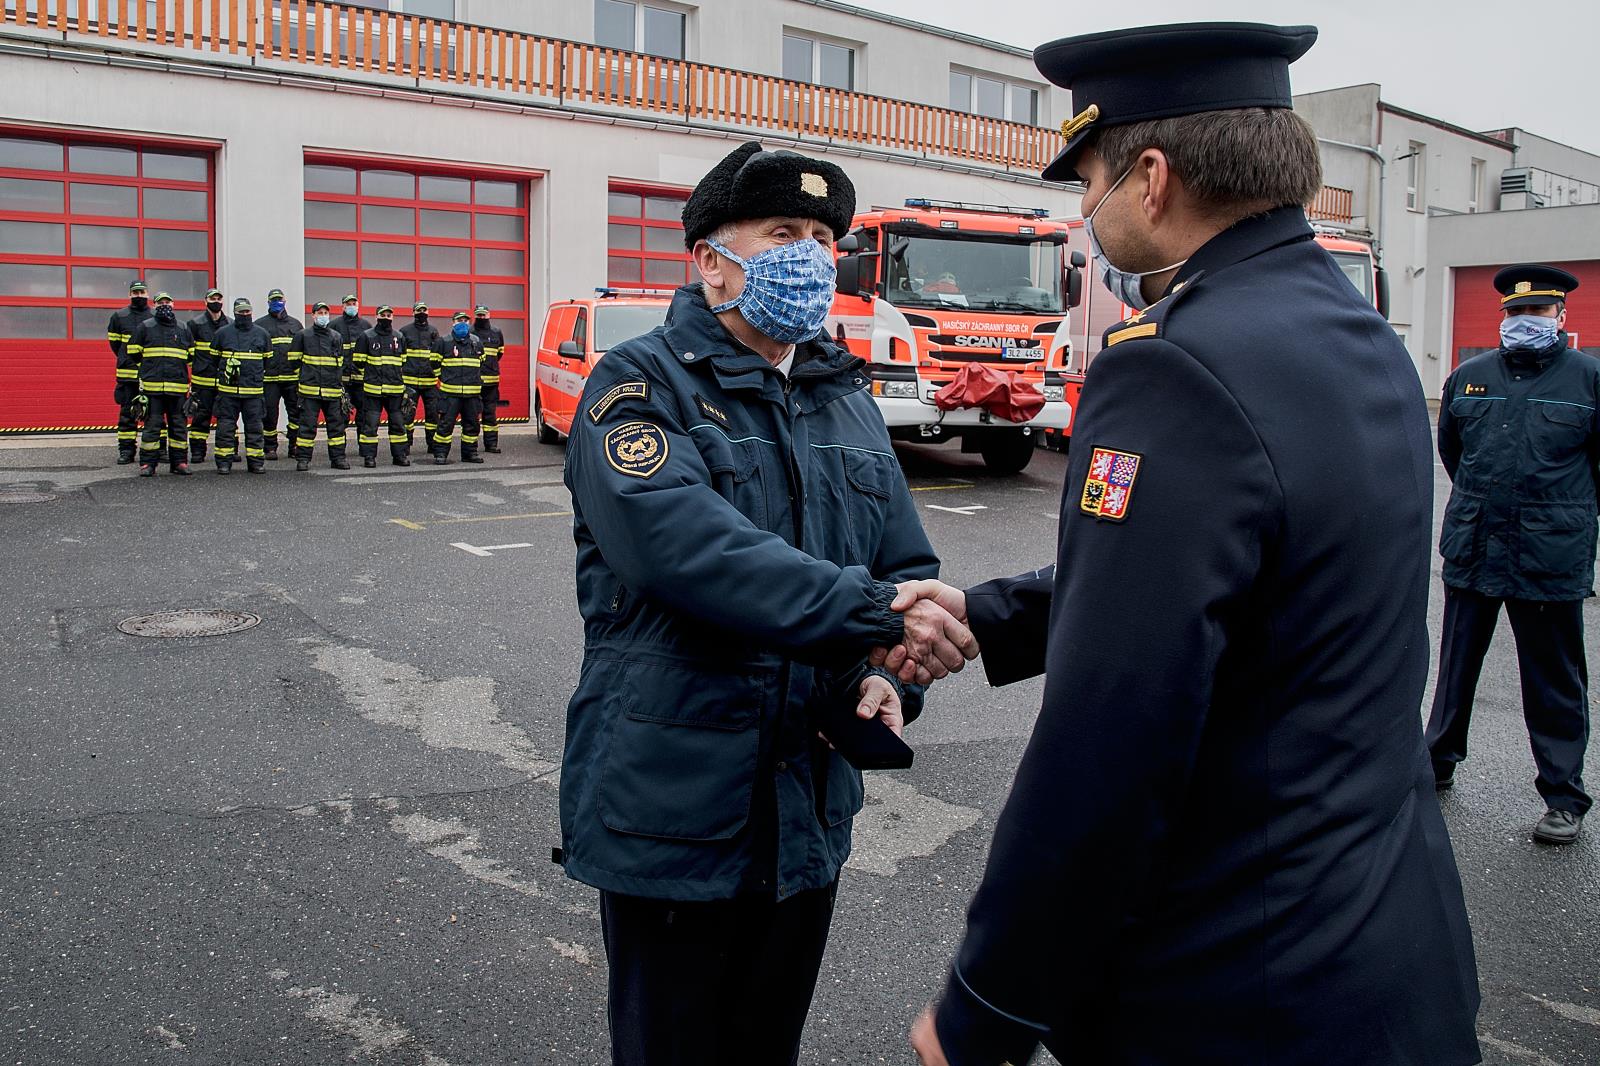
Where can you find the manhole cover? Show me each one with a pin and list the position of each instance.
(26, 497)
(188, 623)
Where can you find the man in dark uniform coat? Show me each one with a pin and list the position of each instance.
(1520, 438)
(1223, 845)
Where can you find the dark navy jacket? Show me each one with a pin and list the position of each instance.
(738, 540)
(1520, 438)
(1223, 846)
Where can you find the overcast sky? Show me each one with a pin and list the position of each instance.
(1470, 62)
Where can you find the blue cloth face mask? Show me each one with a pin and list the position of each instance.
(460, 331)
(320, 319)
(1124, 285)
(275, 306)
(788, 290)
(350, 310)
(1527, 332)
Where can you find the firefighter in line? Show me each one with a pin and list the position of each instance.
(118, 332)
(458, 359)
(494, 345)
(282, 372)
(203, 374)
(324, 369)
(350, 326)
(381, 350)
(163, 348)
(419, 375)
(241, 348)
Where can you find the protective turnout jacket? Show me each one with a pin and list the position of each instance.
(320, 353)
(420, 341)
(162, 354)
(282, 365)
(459, 365)
(494, 346)
(738, 536)
(204, 330)
(246, 348)
(381, 354)
(119, 330)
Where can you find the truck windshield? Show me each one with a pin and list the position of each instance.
(1358, 268)
(623, 322)
(988, 274)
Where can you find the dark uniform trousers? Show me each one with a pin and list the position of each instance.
(1555, 687)
(127, 417)
(165, 417)
(288, 394)
(375, 407)
(205, 403)
(451, 406)
(719, 983)
(332, 411)
(491, 414)
(430, 401)
(230, 407)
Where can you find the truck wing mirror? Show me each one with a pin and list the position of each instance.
(1075, 278)
(1383, 293)
(848, 243)
(856, 275)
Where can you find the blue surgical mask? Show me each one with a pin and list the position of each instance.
(320, 319)
(460, 330)
(1529, 332)
(275, 306)
(1124, 284)
(788, 290)
(350, 310)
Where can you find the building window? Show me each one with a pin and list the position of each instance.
(1416, 176)
(992, 97)
(632, 27)
(819, 62)
(438, 9)
(644, 238)
(1475, 188)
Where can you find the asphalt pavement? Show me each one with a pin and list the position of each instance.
(326, 838)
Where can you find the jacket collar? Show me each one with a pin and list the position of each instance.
(1244, 239)
(1534, 360)
(698, 338)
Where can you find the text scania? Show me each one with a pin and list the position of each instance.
(965, 341)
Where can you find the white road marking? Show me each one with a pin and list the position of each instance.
(567, 950)
(968, 509)
(1570, 1011)
(455, 841)
(169, 1038)
(487, 550)
(486, 499)
(451, 713)
(374, 1035)
(1516, 1052)
(900, 823)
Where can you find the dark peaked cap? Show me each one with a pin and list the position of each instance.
(753, 183)
(1533, 285)
(1124, 76)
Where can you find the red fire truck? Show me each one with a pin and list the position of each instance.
(930, 287)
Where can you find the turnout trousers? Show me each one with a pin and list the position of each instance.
(491, 415)
(429, 400)
(205, 402)
(332, 410)
(127, 418)
(451, 406)
(1555, 687)
(165, 415)
(722, 983)
(288, 394)
(230, 407)
(382, 405)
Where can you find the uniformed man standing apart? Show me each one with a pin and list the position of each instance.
(494, 346)
(420, 376)
(381, 351)
(242, 349)
(458, 360)
(740, 522)
(350, 326)
(126, 394)
(163, 349)
(282, 373)
(1222, 844)
(1520, 438)
(323, 374)
(203, 374)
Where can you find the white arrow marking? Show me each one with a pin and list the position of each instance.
(487, 549)
(967, 510)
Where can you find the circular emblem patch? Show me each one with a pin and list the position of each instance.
(636, 448)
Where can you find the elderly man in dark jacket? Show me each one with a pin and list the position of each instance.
(741, 523)
(1520, 438)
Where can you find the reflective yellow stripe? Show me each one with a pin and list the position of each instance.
(323, 360)
(246, 390)
(164, 386)
(126, 372)
(491, 379)
(208, 382)
(460, 390)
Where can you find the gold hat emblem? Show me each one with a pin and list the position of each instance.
(1524, 286)
(1082, 120)
(814, 185)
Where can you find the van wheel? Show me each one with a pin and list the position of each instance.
(546, 434)
(1007, 453)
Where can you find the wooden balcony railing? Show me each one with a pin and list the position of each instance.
(427, 51)
(1332, 205)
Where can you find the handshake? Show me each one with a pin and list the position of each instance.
(937, 641)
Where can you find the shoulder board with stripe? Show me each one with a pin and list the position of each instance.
(1152, 320)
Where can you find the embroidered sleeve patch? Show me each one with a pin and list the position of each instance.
(711, 411)
(639, 389)
(1109, 487)
(636, 448)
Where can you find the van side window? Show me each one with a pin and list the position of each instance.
(580, 329)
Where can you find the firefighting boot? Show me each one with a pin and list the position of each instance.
(147, 469)
(180, 468)
(124, 457)
(340, 462)
(224, 468)
(470, 457)
(369, 461)
(256, 466)
(491, 442)
(300, 465)
(197, 451)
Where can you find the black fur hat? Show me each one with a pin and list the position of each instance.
(752, 183)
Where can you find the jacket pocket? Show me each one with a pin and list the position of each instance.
(871, 478)
(845, 794)
(1557, 540)
(680, 760)
(1456, 533)
(736, 471)
(1558, 430)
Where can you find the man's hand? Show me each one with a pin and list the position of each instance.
(925, 1040)
(937, 641)
(880, 700)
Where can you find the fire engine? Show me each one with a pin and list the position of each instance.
(928, 288)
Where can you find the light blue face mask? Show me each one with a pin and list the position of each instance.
(1124, 284)
(1527, 332)
(788, 290)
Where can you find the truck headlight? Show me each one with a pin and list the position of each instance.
(1055, 393)
(895, 390)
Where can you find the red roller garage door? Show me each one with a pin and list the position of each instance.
(80, 217)
(396, 233)
(1476, 325)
